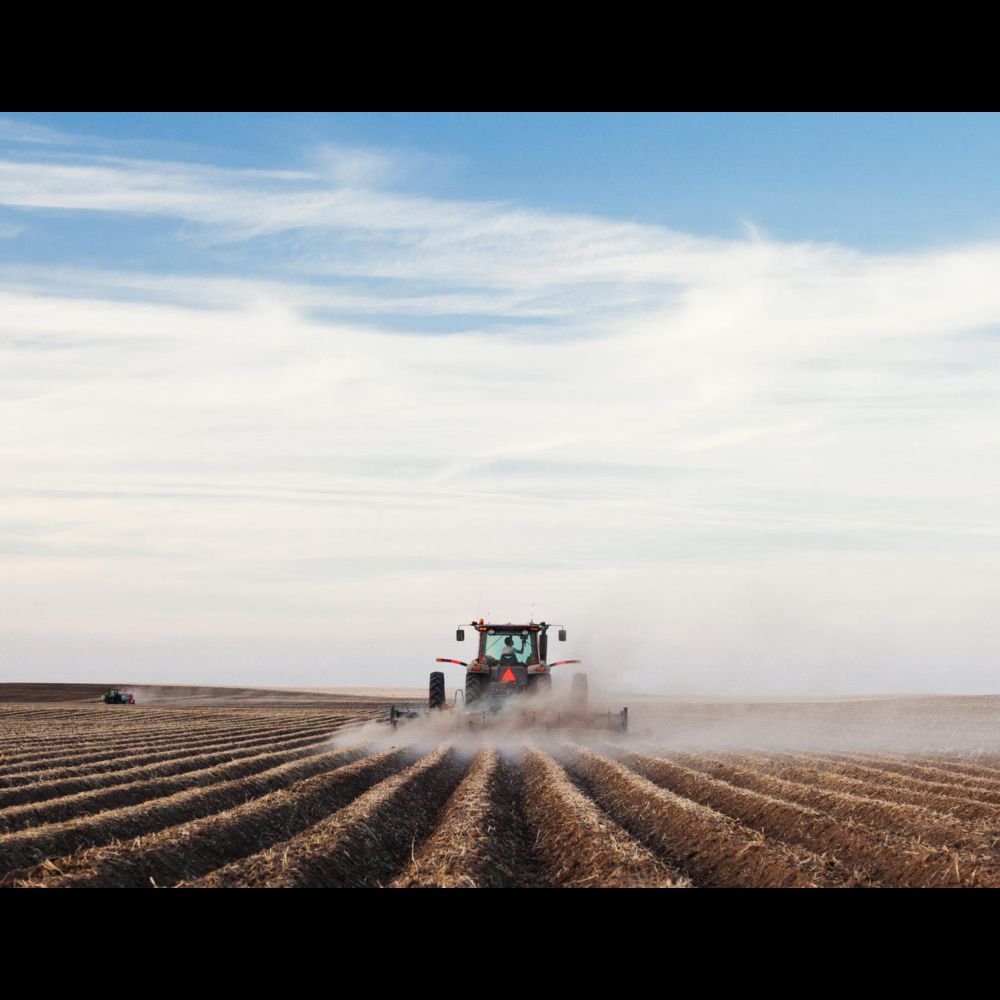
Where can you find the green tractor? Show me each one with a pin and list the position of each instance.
(117, 697)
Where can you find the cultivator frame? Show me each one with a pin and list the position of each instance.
(609, 721)
(615, 722)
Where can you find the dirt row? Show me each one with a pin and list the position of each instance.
(709, 846)
(268, 802)
(983, 779)
(140, 724)
(484, 822)
(109, 746)
(102, 777)
(363, 844)
(133, 754)
(875, 776)
(107, 718)
(924, 825)
(187, 851)
(866, 856)
(29, 847)
(482, 838)
(935, 798)
(113, 795)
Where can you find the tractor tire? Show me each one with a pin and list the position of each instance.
(437, 695)
(473, 688)
(539, 684)
(578, 693)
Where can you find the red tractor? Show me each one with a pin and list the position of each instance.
(511, 660)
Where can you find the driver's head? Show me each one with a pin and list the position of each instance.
(509, 641)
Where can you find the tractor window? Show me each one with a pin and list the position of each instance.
(523, 647)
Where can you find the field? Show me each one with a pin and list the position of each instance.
(193, 787)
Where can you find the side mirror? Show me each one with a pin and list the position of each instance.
(460, 635)
(543, 648)
(562, 635)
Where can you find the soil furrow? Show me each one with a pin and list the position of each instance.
(924, 825)
(481, 840)
(193, 849)
(366, 843)
(578, 844)
(27, 848)
(709, 847)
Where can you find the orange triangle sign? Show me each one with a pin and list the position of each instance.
(508, 676)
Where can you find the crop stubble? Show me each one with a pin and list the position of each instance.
(97, 796)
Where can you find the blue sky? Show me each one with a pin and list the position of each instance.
(269, 383)
(875, 181)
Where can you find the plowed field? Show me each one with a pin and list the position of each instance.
(114, 796)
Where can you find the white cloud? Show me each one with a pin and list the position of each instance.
(735, 447)
(12, 130)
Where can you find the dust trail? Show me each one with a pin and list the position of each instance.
(521, 721)
(900, 724)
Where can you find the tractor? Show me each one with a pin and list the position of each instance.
(504, 685)
(512, 660)
(116, 697)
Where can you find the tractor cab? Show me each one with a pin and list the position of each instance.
(508, 646)
(525, 645)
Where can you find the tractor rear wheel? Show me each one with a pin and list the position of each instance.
(473, 688)
(578, 693)
(437, 696)
(539, 684)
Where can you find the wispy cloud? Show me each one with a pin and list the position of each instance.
(727, 438)
(12, 130)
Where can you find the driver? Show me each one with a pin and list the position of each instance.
(509, 654)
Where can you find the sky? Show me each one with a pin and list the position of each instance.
(286, 398)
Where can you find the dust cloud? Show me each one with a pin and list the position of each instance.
(889, 724)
